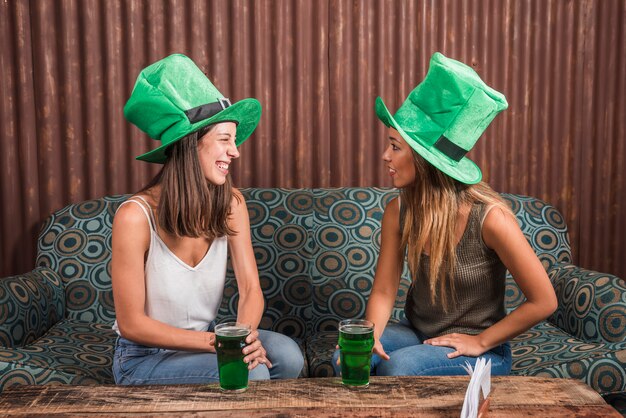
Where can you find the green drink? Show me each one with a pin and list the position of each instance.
(230, 340)
(356, 340)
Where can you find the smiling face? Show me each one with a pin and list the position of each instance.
(216, 150)
(398, 157)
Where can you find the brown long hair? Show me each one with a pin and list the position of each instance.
(432, 204)
(189, 205)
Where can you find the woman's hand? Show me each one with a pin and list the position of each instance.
(378, 349)
(211, 339)
(465, 345)
(254, 352)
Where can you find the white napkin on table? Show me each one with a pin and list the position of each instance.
(480, 379)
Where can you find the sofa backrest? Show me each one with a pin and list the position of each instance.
(316, 251)
(76, 243)
(545, 230)
(347, 232)
(544, 227)
(280, 224)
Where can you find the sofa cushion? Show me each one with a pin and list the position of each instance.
(76, 243)
(545, 350)
(30, 304)
(319, 352)
(74, 352)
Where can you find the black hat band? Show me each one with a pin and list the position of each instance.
(450, 149)
(206, 111)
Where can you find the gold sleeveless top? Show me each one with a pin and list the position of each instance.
(479, 282)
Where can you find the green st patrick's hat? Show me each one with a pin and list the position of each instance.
(173, 98)
(443, 117)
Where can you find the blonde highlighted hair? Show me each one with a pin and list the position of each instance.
(431, 211)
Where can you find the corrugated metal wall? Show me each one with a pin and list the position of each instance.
(68, 66)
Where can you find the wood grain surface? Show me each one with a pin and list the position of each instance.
(512, 396)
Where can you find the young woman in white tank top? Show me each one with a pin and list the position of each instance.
(170, 240)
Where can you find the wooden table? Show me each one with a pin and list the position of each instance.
(512, 396)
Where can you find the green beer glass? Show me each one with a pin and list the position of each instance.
(230, 338)
(356, 340)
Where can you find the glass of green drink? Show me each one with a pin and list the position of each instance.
(356, 340)
(230, 339)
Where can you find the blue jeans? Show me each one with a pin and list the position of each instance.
(135, 364)
(408, 356)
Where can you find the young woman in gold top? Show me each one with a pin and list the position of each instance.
(458, 235)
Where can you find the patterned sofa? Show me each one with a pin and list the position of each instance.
(316, 252)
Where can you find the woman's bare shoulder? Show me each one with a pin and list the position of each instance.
(391, 217)
(393, 205)
(131, 215)
(499, 226)
(237, 194)
(238, 201)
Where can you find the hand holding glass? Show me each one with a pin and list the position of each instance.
(356, 340)
(230, 339)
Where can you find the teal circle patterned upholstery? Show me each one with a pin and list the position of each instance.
(30, 304)
(280, 224)
(346, 237)
(319, 351)
(62, 332)
(591, 304)
(545, 229)
(547, 351)
(71, 352)
(76, 243)
(316, 252)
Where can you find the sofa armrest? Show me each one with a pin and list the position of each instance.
(30, 304)
(592, 305)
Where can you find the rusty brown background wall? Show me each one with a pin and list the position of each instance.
(67, 67)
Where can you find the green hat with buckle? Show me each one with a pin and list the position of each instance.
(443, 117)
(172, 98)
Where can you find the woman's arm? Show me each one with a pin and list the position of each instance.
(130, 243)
(387, 277)
(502, 233)
(251, 302)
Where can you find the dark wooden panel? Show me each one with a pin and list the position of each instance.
(67, 68)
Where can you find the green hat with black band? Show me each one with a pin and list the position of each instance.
(172, 98)
(443, 117)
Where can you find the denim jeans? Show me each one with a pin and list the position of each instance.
(408, 356)
(135, 364)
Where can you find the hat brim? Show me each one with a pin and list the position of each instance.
(465, 171)
(245, 113)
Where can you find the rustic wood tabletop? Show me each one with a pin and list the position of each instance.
(511, 396)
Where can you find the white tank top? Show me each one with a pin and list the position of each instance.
(176, 293)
